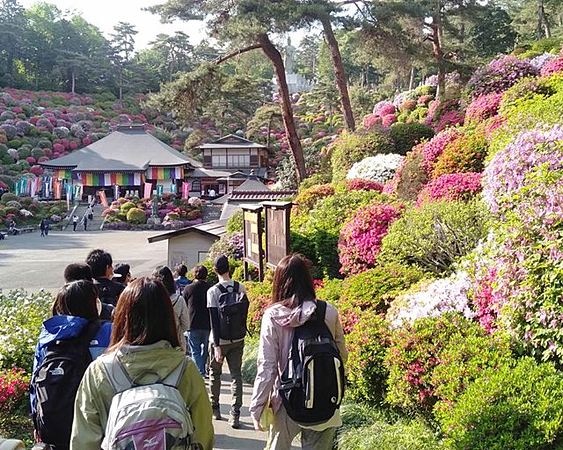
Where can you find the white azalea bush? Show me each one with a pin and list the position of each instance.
(380, 168)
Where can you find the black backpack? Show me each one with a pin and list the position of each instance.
(233, 311)
(312, 385)
(56, 382)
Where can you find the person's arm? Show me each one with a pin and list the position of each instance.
(267, 370)
(214, 316)
(197, 401)
(339, 338)
(184, 317)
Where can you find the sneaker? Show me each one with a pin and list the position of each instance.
(216, 413)
(234, 422)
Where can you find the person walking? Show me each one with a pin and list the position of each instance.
(181, 279)
(81, 271)
(85, 222)
(199, 326)
(143, 364)
(101, 264)
(74, 222)
(228, 310)
(42, 226)
(289, 325)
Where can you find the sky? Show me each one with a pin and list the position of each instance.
(105, 14)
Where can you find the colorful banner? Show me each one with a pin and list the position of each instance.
(165, 173)
(78, 191)
(92, 179)
(57, 189)
(116, 191)
(173, 188)
(103, 199)
(185, 190)
(62, 174)
(159, 190)
(110, 179)
(148, 190)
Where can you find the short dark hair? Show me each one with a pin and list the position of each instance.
(293, 283)
(99, 260)
(181, 270)
(221, 265)
(122, 269)
(200, 273)
(144, 315)
(78, 298)
(164, 275)
(78, 271)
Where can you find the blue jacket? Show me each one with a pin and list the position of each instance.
(59, 328)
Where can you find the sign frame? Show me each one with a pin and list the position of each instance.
(253, 232)
(282, 209)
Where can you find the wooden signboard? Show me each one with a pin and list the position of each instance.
(253, 251)
(277, 231)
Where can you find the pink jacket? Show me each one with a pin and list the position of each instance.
(276, 335)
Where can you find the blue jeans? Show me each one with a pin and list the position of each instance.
(198, 345)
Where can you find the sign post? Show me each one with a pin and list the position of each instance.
(253, 231)
(277, 231)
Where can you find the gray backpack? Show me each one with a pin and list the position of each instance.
(151, 416)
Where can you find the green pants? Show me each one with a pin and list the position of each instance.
(233, 354)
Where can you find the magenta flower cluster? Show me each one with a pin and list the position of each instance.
(553, 66)
(384, 114)
(483, 107)
(499, 75)
(360, 239)
(507, 172)
(454, 186)
(436, 146)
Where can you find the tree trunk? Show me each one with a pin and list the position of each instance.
(339, 72)
(437, 50)
(287, 111)
(543, 29)
(412, 77)
(72, 81)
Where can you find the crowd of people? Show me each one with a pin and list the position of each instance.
(122, 362)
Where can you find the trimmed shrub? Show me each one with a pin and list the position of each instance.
(518, 405)
(136, 216)
(260, 297)
(125, 207)
(379, 168)
(455, 186)
(464, 154)
(410, 177)
(8, 197)
(308, 198)
(361, 184)
(330, 290)
(407, 135)
(436, 235)
(249, 359)
(483, 107)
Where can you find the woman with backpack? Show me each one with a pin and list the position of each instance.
(164, 275)
(68, 343)
(144, 390)
(298, 395)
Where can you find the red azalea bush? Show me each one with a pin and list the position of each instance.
(361, 184)
(360, 239)
(483, 107)
(14, 384)
(454, 186)
(553, 66)
(464, 154)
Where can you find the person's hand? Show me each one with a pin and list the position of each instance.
(257, 425)
(218, 354)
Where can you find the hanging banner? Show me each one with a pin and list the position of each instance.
(33, 190)
(159, 190)
(78, 191)
(173, 188)
(116, 192)
(164, 173)
(57, 189)
(69, 192)
(62, 174)
(148, 190)
(185, 190)
(103, 199)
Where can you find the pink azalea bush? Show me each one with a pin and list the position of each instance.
(553, 66)
(361, 184)
(360, 238)
(483, 107)
(384, 114)
(432, 149)
(454, 186)
(13, 387)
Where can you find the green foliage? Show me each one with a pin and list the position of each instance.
(367, 345)
(249, 359)
(21, 317)
(465, 154)
(407, 135)
(435, 359)
(517, 406)
(435, 235)
(330, 291)
(411, 177)
(259, 296)
(308, 198)
(350, 148)
(136, 216)
(126, 207)
(235, 223)
(8, 197)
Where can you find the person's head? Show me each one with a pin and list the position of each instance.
(77, 298)
(124, 272)
(101, 263)
(221, 265)
(144, 315)
(293, 283)
(78, 271)
(200, 273)
(181, 270)
(164, 275)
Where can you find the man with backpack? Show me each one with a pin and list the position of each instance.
(101, 264)
(228, 310)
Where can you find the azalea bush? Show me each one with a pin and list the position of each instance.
(464, 154)
(553, 66)
(434, 148)
(14, 384)
(516, 405)
(260, 297)
(410, 177)
(435, 235)
(455, 186)
(483, 107)
(362, 184)
(407, 135)
(307, 198)
(443, 114)
(230, 245)
(360, 238)
(379, 168)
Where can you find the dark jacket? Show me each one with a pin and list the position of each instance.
(109, 291)
(195, 295)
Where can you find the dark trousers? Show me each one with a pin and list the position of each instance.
(233, 354)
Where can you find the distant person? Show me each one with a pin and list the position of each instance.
(212, 192)
(101, 264)
(42, 226)
(81, 271)
(74, 222)
(90, 212)
(85, 222)
(47, 226)
(199, 326)
(68, 343)
(294, 320)
(144, 348)
(164, 275)
(122, 274)
(181, 279)
(228, 309)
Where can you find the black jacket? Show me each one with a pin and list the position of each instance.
(195, 295)
(109, 291)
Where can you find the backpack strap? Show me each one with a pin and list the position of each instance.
(224, 290)
(320, 311)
